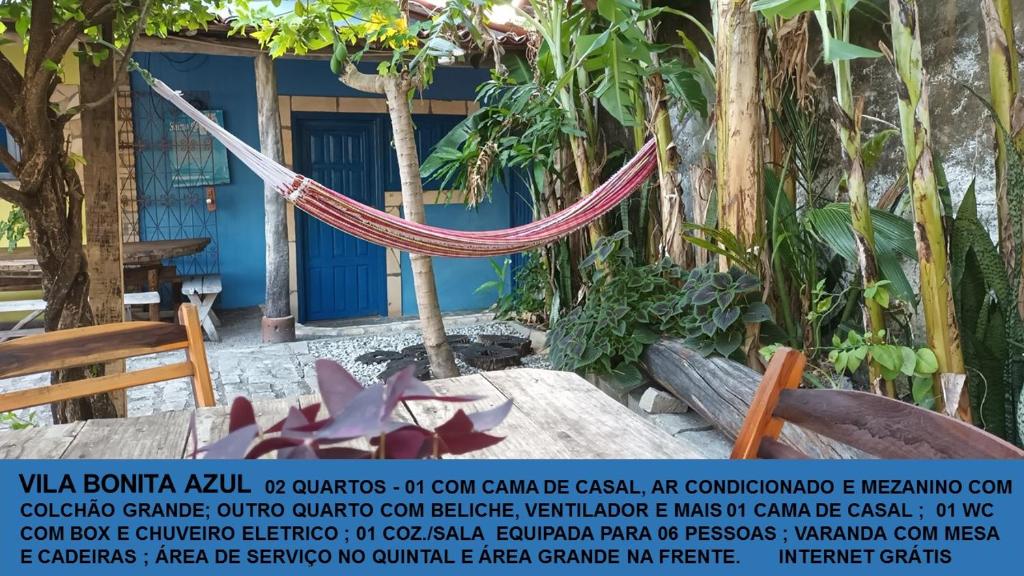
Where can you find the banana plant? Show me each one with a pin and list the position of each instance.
(949, 384)
(833, 17)
(1004, 85)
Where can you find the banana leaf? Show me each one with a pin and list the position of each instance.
(894, 241)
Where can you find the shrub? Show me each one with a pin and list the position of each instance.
(629, 307)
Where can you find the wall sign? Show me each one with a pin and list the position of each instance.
(198, 159)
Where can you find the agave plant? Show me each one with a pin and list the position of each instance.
(355, 412)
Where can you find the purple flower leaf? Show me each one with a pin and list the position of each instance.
(405, 443)
(464, 443)
(341, 453)
(337, 386)
(233, 446)
(363, 416)
(268, 445)
(242, 414)
(488, 419)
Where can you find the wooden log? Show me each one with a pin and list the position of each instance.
(278, 321)
(102, 201)
(721, 390)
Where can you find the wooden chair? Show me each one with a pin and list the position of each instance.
(874, 424)
(105, 343)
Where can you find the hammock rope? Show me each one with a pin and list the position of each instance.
(378, 227)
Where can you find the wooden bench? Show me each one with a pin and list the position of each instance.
(202, 292)
(874, 424)
(105, 343)
(37, 307)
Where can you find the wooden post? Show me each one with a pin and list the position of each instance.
(102, 204)
(278, 321)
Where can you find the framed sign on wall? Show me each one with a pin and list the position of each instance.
(198, 159)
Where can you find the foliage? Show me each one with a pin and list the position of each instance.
(527, 302)
(14, 422)
(355, 412)
(633, 306)
(14, 228)
(499, 282)
(990, 326)
(892, 361)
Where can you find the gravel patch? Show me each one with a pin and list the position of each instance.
(345, 350)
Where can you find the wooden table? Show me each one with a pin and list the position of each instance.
(19, 269)
(556, 415)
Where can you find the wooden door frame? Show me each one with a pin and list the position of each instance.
(301, 123)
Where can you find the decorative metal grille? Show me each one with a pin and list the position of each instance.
(165, 211)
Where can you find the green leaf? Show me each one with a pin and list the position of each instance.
(871, 150)
(757, 312)
(725, 318)
(784, 8)
(927, 363)
(909, 361)
(922, 392)
(836, 50)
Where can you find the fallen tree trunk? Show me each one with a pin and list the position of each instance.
(721, 391)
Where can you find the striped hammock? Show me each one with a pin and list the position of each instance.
(378, 227)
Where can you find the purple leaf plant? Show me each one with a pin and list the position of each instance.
(355, 412)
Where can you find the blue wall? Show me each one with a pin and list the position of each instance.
(230, 85)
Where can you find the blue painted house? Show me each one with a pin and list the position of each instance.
(330, 132)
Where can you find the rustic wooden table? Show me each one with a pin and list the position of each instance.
(557, 415)
(20, 271)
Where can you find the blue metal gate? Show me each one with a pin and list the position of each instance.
(340, 276)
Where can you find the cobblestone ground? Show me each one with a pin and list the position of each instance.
(241, 366)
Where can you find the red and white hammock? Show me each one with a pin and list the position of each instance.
(385, 229)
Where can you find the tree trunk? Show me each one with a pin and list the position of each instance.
(102, 203)
(442, 361)
(1004, 84)
(740, 134)
(950, 387)
(278, 323)
(739, 129)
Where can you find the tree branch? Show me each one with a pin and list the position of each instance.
(8, 160)
(11, 194)
(353, 78)
(122, 67)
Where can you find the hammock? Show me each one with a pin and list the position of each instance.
(378, 227)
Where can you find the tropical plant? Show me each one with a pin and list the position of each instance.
(634, 306)
(527, 302)
(891, 361)
(834, 19)
(936, 290)
(355, 412)
(1004, 86)
(991, 329)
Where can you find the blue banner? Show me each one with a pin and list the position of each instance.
(475, 517)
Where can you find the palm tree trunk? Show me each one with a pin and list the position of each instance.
(395, 89)
(442, 361)
(936, 295)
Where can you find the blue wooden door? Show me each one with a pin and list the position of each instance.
(341, 276)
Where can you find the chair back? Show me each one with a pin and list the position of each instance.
(874, 424)
(105, 343)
